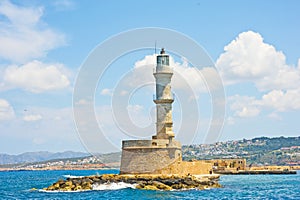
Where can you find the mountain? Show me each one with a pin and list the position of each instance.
(257, 151)
(38, 156)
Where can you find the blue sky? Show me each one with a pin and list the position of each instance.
(255, 45)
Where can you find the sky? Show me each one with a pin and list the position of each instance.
(44, 45)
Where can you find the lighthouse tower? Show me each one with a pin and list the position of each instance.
(163, 98)
(162, 153)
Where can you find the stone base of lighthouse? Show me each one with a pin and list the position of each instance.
(156, 156)
(149, 156)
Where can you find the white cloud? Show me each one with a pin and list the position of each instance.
(141, 73)
(31, 118)
(62, 5)
(106, 92)
(36, 77)
(244, 106)
(6, 110)
(148, 60)
(286, 78)
(249, 58)
(248, 112)
(277, 100)
(185, 77)
(23, 35)
(282, 100)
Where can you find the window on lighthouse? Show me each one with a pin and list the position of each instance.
(159, 60)
(164, 60)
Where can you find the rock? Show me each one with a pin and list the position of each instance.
(76, 181)
(150, 187)
(161, 186)
(108, 177)
(183, 186)
(77, 187)
(216, 185)
(142, 181)
(95, 179)
(56, 186)
(170, 181)
(200, 187)
(140, 186)
(68, 183)
(179, 186)
(86, 186)
(130, 180)
(68, 188)
(143, 178)
(189, 182)
(50, 188)
(60, 181)
(87, 180)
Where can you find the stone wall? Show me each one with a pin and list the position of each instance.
(185, 167)
(154, 143)
(143, 160)
(136, 143)
(151, 160)
(231, 164)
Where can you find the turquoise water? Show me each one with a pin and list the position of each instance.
(17, 185)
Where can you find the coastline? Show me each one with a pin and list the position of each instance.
(68, 167)
(114, 166)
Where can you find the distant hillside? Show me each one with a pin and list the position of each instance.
(257, 151)
(38, 156)
(110, 157)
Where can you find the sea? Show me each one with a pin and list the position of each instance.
(30, 184)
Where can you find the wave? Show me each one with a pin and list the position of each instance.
(72, 176)
(113, 186)
(105, 186)
(59, 191)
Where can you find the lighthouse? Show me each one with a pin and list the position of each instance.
(164, 97)
(162, 153)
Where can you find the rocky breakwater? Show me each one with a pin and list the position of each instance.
(147, 182)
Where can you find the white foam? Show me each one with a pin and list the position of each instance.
(59, 191)
(113, 186)
(71, 176)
